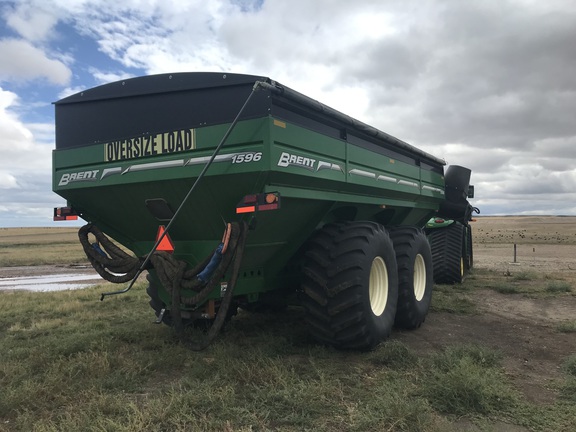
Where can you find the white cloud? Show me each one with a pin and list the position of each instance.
(43, 133)
(108, 77)
(20, 151)
(28, 62)
(14, 132)
(25, 167)
(31, 21)
(68, 91)
(8, 181)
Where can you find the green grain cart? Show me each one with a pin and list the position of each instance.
(236, 191)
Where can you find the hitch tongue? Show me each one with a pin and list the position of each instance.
(160, 316)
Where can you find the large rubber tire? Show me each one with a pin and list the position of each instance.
(469, 249)
(415, 276)
(447, 246)
(350, 285)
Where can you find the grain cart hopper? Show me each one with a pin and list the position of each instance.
(264, 194)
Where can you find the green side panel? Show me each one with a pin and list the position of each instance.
(320, 179)
(309, 165)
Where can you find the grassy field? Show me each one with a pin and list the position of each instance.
(72, 363)
(557, 230)
(69, 362)
(39, 246)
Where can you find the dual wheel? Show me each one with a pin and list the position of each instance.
(360, 280)
(452, 253)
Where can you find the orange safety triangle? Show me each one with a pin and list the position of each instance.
(166, 244)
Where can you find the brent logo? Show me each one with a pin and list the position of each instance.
(287, 159)
(78, 176)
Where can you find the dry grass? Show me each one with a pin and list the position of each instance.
(70, 362)
(525, 230)
(40, 246)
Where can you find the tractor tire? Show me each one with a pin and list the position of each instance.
(447, 246)
(415, 276)
(350, 285)
(469, 249)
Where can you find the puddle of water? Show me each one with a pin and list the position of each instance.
(56, 282)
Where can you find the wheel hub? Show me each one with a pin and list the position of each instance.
(378, 288)
(419, 277)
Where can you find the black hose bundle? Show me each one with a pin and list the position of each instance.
(233, 256)
(111, 262)
(115, 265)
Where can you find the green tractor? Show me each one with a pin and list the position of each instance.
(449, 233)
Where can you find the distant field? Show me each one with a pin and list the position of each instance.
(44, 246)
(40, 246)
(525, 229)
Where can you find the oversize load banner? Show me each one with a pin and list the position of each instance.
(149, 145)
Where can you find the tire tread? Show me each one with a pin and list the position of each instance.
(331, 285)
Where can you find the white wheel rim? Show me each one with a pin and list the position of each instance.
(378, 288)
(419, 277)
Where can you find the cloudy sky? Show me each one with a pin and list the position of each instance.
(488, 84)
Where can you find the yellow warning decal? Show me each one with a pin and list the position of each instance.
(150, 145)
